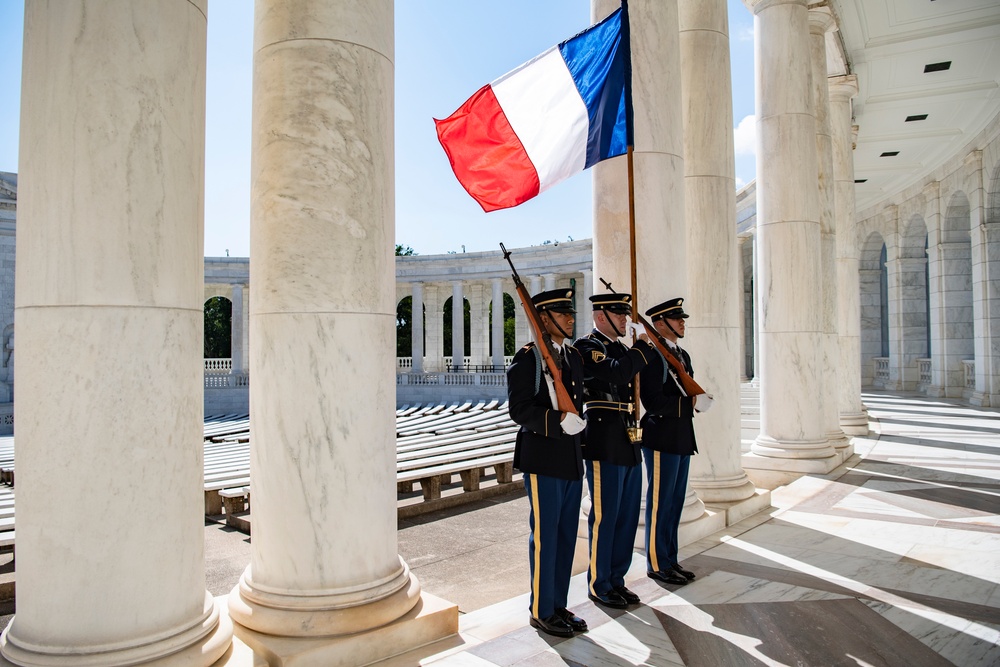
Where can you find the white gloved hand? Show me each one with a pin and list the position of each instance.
(572, 424)
(702, 402)
(633, 329)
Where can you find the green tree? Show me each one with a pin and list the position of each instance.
(218, 327)
(404, 250)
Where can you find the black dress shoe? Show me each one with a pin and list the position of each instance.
(553, 625)
(628, 595)
(575, 622)
(609, 599)
(687, 574)
(667, 577)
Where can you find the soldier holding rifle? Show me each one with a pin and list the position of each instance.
(545, 392)
(611, 453)
(668, 440)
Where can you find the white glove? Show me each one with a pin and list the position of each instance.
(572, 424)
(633, 329)
(702, 402)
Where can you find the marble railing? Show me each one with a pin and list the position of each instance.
(969, 369)
(226, 381)
(218, 365)
(406, 363)
(881, 369)
(453, 379)
(924, 372)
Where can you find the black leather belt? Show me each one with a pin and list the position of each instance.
(608, 405)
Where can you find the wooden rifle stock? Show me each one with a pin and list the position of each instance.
(691, 388)
(563, 401)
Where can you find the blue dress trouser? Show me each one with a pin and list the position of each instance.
(615, 492)
(667, 476)
(553, 517)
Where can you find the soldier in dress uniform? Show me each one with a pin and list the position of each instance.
(548, 453)
(613, 460)
(667, 444)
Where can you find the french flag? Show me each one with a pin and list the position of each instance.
(557, 114)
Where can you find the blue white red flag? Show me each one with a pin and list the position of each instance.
(557, 114)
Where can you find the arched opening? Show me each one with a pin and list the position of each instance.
(874, 316)
(404, 327)
(218, 331)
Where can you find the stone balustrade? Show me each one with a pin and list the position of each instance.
(218, 365)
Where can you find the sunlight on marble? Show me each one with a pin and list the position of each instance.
(945, 619)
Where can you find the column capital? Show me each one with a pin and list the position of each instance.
(757, 6)
(843, 87)
(821, 20)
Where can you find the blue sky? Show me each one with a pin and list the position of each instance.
(445, 51)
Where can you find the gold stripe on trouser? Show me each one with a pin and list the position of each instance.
(596, 509)
(536, 576)
(656, 506)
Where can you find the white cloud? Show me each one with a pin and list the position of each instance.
(745, 34)
(739, 182)
(745, 136)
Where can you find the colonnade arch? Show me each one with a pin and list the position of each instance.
(872, 280)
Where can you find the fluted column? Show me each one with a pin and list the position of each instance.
(522, 333)
(324, 558)
(109, 314)
(549, 280)
(714, 280)
(496, 322)
(853, 415)
(236, 353)
(821, 22)
(457, 325)
(788, 237)
(417, 327)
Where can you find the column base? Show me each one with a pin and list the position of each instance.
(332, 615)
(839, 440)
(980, 399)
(200, 645)
(854, 423)
(693, 507)
(715, 490)
(431, 619)
(770, 472)
(805, 450)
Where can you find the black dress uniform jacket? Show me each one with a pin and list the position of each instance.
(542, 448)
(667, 425)
(608, 371)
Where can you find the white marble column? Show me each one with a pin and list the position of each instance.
(479, 337)
(549, 280)
(714, 279)
(821, 22)
(793, 435)
(522, 333)
(985, 307)
(853, 415)
(434, 303)
(236, 338)
(109, 291)
(417, 327)
(534, 287)
(658, 161)
(496, 322)
(324, 557)
(584, 306)
(457, 325)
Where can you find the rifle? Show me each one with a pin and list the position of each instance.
(691, 388)
(563, 401)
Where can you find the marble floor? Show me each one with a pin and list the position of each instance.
(892, 559)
